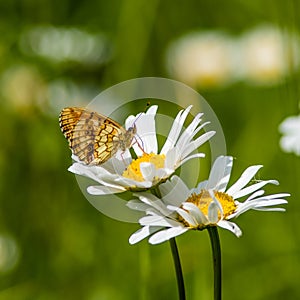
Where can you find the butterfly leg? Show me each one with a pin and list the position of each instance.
(140, 144)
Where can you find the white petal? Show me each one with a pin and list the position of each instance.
(213, 211)
(290, 144)
(214, 208)
(151, 174)
(216, 201)
(264, 203)
(167, 234)
(146, 132)
(191, 146)
(157, 221)
(104, 190)
(252, 188)
(220, 173)
(87, 171)
(175, 130)
(254, 195)
(190, 131)
(151, 211)
(126, 182)
(118, 181)
(194, 124)
(290, 125)
(137, 205)
(155, 202)
(119, 161)
(98, 174)
(276, 196)
(196, 213)
(163, 173)
(172, 158)
(197, 155)
(75, 158)
(147, 170)
(266, 197)
(256, 204)
(231, 227)
(201, 186)
(129, 122)
(185, 215)
(242, 208)
(174, 192)
(114, 180)
(245, 178)
(270, 209)
(142, 233)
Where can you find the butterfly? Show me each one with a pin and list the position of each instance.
(93, 137)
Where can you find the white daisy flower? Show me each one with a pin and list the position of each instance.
(210, 204)
(290, 141)
(267, 54)
(202, 59)
(122, 172)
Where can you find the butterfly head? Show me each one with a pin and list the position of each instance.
(129, 135)
(132, 130)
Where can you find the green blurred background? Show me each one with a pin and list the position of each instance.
(53, 243)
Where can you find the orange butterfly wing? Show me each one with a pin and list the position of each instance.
(93, 137)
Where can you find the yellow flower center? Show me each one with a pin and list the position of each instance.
(203, 200)
(133, 171)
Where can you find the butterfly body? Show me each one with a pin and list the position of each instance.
(92, 137)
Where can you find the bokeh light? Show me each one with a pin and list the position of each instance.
(65, 44)
(9, 253)
(202, 59)
(263, 55)
(267, 54)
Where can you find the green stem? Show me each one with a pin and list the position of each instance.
(176, 258)
(216, 251)
(178, 269)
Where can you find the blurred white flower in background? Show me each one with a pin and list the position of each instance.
(22, 86)
(266, 54)
(9, 253)
(201, 59)
(66, 44)
(209, 59)
(64, 92)
(290, 141)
